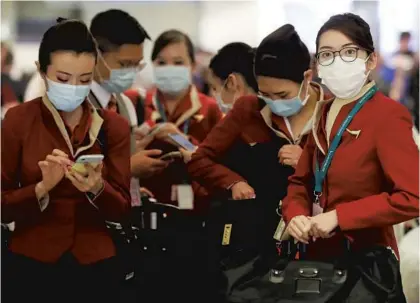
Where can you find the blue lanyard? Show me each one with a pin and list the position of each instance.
(162, 113)
(321, 173)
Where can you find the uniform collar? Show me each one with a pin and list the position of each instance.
(285, 130)
(54, 117)
(101, 94)
(321, 105)
(187, 108)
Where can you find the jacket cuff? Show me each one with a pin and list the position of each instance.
(92, 197)
(43, 202)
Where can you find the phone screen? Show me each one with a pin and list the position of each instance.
(182, 142)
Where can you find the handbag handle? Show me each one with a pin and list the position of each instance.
(374, 283)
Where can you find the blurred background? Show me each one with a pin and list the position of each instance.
(211, 24)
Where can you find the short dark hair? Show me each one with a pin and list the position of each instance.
(353, 27)
(405, 35)
(171, 37)
(236, 57)
(8, 60)
(114, 28)
(66, 35)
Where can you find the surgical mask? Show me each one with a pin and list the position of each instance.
(344, 79)
(224, 107)
(120, 80)
(172, 79)
(287, 107)
(66, 97)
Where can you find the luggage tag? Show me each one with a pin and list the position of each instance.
(185, 196)
(226, 234)
(281, 227)
(153, 221)
(135, 192)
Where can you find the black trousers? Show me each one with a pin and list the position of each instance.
(27, 280)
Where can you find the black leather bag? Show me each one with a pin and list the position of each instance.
(370, 276)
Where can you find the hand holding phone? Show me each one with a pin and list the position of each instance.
(93, 160)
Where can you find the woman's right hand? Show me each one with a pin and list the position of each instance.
(53, 169)
(242, 191)
(299, 228)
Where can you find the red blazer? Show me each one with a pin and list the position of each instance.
(70, 222)
(250, 121)
(203, 114)
(373, 180)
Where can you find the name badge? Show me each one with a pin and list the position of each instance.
(185, 196)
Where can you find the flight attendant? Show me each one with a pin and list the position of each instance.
(61, 249)
(232, 74)
(280, 114)
(251, 153)
(175, 107)
(120, 38)
(231, 77)
(370, 181)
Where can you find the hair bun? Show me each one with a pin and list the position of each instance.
(60, 19)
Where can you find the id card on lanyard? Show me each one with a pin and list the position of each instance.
(321, 172)
(162, 114)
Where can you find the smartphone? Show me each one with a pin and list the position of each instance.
(181, 141)
(171, 156)
(79, 166)
(91, 159)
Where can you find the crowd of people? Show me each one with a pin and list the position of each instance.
(283, 144)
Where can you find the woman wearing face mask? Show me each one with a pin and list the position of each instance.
(61, 250)
(231, 77)
(232, 74)
(250, 154)
(175, 107)
(370, 180)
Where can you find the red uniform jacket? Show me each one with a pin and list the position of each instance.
(70, 222)
(248, 121)
(373, 180)
(202, 114)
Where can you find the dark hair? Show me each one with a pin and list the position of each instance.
(171, 37)
(353, 27)
(405, 35)
(236, 57)
(8, 60)
(66, 35)
(114, 28)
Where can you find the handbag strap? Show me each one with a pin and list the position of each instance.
(374, 283)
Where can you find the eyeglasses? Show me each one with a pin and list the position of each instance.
(347, 54)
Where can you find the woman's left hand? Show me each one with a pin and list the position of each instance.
(323, 224)
(290, 154)
(93, 182)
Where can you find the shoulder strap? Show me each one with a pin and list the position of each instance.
(102, 138)
(131, 110)
(140, 112)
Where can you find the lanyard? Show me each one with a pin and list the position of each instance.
(162, 113)
(321, 173)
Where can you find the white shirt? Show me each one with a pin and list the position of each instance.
(101, 94)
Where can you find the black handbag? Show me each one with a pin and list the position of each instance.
(367, 276)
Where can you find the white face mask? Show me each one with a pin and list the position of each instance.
(344, 79)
